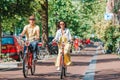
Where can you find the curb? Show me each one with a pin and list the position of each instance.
(10, 65)
(19, 64)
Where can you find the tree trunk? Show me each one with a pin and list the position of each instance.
(44, 15)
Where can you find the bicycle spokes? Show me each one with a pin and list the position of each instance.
(28, 63)
(25, 67)
(30, 59)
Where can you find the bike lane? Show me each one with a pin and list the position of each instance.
(76, 71)
(107, 67)
(45, 70)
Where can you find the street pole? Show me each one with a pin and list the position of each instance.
(0, 38)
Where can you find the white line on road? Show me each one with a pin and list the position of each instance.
(89, 74)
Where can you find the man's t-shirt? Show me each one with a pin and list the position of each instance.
(31, 32)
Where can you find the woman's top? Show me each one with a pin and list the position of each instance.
(66, 34)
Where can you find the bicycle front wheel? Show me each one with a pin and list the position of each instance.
(25, 66)
(63, 69)
(63, 73)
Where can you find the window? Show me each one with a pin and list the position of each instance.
(7, 40)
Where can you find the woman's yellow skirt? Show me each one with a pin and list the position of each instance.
(67, 58)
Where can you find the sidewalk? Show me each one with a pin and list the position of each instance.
(10, 65)
(14, 64)
(107, 67)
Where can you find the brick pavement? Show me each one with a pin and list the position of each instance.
(47, 71)
(107, 67)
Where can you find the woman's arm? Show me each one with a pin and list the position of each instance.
(69, 35)
(56, 36)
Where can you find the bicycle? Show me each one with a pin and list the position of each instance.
(63, 67)
(42, 51)
(53, 48)
(28, 61)
(118, 48)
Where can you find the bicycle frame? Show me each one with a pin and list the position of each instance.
(62, 56)
(42, 52)
(62, 63)
(28, 62)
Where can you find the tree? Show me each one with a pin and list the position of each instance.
(41, 8)
(9, 9)
(63, 10)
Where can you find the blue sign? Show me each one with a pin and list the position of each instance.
(108, 16)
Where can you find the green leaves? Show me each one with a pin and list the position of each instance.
(116, 7)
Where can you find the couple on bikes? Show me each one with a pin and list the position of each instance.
(32, 33)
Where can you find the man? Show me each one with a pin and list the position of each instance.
(32, 34)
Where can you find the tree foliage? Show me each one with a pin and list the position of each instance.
(83, 17)
(14, 14)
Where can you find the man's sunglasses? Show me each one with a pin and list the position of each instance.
(32, 19)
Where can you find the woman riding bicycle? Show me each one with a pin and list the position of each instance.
(32, 34)
(63, 35)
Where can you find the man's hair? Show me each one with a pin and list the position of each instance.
(32, 17)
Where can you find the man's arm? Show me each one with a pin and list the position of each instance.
(24, 31)
(38, 33)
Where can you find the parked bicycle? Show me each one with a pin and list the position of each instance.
(118, 47)
(42, 52)
(53, 48)
(28, 61)
(118, 50)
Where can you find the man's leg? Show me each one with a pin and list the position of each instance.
(34, 46)
(25, 50)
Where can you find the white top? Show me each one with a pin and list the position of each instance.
(59, 34)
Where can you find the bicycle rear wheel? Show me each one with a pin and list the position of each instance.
(33, 67)
(63, 69)
(25, 66)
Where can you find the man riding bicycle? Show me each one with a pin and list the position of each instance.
(32, 34)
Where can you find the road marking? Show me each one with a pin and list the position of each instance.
(89, 74)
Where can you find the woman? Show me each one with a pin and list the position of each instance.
(63, 35)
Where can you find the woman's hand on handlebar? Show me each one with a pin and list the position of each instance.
(54, 40)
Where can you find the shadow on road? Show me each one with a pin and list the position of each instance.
(80, 63)
(48, 76)
(107, 60)
(45, 63)
(91, 45)
(10, 69)
(85, 55)
(109, 74)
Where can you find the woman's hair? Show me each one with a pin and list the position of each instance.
(58, 24)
